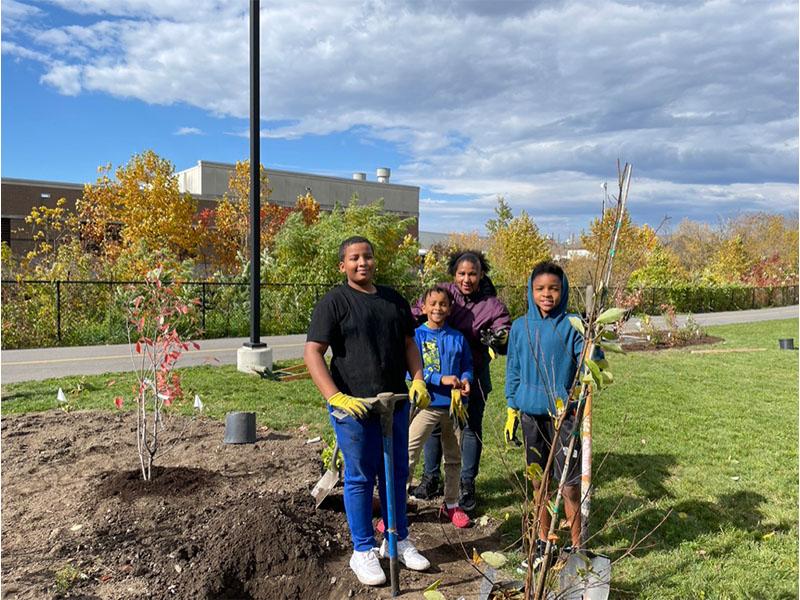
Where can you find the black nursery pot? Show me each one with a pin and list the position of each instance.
(240, 428)
(786, 344)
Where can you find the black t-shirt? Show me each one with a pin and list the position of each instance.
(367, 336)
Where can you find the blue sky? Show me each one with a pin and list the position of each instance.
(468, 99)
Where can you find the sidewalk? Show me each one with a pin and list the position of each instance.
(725, 318)
(43, 363)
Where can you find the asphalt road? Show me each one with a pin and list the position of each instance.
(44, 363)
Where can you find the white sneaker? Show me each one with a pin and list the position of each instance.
(367, 567)
(407, 554)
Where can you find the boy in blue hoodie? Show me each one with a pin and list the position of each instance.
(447, 370)
(543, 354)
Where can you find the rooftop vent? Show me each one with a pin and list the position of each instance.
(383, 174)
(360, 176)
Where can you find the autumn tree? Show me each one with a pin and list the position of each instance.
(140, 205)
(226, 229)
(58, 251)
(514, 246)
(766, 235)
(694, 244)
(308, 207)
(633, 245)
(771, 242)
(662, 268)
(730, 263)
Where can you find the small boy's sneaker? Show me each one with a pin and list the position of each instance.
(456, 515)
(367, 567)
(428, 488)
(407, 554)
(466, 497)
(538, 555)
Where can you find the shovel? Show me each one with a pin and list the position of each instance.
(384, 407)
(329, 479)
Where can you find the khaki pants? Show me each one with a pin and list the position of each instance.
(421, 428)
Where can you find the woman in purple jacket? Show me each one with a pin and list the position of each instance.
(484, 321)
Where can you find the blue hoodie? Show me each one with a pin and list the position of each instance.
(444, 351)
(543, 354)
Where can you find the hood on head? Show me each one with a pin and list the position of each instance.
(533, 310)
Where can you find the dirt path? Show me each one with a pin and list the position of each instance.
(219, 521)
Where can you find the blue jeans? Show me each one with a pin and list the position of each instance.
(471, 436)
(362, 447)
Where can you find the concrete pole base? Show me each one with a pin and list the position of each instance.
(254, 360)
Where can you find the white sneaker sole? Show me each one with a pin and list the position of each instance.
(377, 579)
(421, 566)
(369, 581)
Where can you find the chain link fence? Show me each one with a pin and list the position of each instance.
(41, 313)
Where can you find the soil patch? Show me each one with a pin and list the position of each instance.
(216, 521)
(632, 343)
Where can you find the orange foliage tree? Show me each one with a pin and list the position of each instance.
(226, 228)
(140, 206)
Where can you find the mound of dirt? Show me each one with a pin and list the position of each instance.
(216, 521)
(637, 343)
(275, 549)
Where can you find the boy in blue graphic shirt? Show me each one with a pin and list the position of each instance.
(447, 370)
(543, 354)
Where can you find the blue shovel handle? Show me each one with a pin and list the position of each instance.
(384, 405)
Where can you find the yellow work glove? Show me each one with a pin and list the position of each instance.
(355, 407)
(512, 422)
(457, 409)
(418, 394)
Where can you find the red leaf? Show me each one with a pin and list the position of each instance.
(196, 345)
(138, 347)
(118, 401)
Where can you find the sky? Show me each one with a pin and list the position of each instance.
(535, 101)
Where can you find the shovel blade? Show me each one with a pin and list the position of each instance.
(586, 576)
(324, 486)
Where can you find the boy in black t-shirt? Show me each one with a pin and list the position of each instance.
(370, 332)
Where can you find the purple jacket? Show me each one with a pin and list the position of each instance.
(471, 315)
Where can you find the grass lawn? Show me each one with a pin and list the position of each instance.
(709, 441)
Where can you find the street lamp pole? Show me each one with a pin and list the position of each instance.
(254, 356)
(255, 180)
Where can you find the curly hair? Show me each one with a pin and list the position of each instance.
(475, 257)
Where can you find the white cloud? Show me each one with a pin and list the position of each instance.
(530, 100)
(65, 78)
(15, 12)
(189, 131)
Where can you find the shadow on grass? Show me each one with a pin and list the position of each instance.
(688, 521)
(649, 470)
